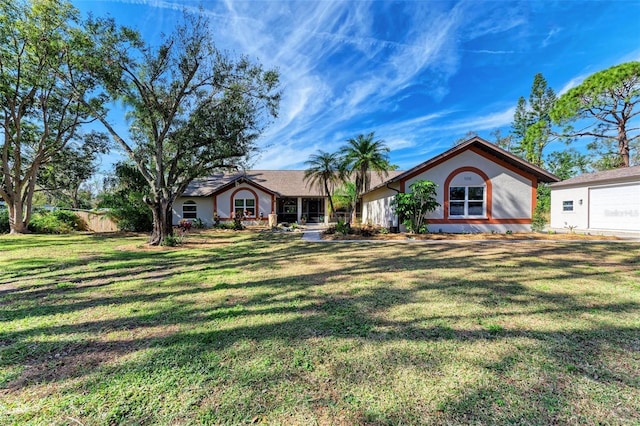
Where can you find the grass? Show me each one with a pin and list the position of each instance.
(262, 328)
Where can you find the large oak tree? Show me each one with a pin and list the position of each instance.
(192, 109)
(40, 113)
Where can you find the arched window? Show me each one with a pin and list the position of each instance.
(244, 202)
(189, 210)
(467, 201)
(468, 194)
(245, 206)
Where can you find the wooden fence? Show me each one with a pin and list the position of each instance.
(97, 221)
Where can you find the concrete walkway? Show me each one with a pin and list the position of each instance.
(313, 232)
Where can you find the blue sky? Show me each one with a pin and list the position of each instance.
(421, 74)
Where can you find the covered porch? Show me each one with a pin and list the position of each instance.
(302, 209)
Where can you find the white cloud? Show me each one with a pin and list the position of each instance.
(575, 81)
(551, 35)
(486, 122)
(338, 69)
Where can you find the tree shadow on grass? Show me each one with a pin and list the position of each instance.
(301, 309)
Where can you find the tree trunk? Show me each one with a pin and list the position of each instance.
(623, 145)
(162, 222)
(326, 190)
(17, 224)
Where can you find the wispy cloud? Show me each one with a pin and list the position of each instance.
(486, 122)
(551, 36)
(492, 52)
(325, 54)
(419, 74)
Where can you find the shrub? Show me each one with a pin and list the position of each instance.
(4, 221)
(55, 222)
(184, 224)
(70, 218)
(342, 227)
(174, 240)
(237, 223)
(413, 206)
(539, 220)
(223, 225)
(198, 223)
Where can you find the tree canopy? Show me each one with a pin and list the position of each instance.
(70, 168)
(40, 112)
(192, 108)
(323, 171)
(531, 122)
(363, 155)
(605, 101)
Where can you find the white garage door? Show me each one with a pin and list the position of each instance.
(615, 207)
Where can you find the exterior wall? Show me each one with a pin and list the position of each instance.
(509, 196)
(224, 200)
(204, 209)
(376, 207)
(579, 217)
(612, 207)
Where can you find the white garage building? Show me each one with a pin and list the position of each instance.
(606, 202)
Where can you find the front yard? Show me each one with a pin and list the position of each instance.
(255, 327)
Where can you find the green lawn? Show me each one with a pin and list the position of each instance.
(263, 328)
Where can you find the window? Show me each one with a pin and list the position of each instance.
(466, 201)
(245, 206)
(567, 206)
(189, 210)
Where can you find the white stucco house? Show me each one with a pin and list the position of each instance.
(606, 202)
(481, 188)
(256, 194)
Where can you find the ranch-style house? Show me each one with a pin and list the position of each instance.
(481, 188)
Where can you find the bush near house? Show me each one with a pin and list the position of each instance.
(365, 230)
(47, 222)
(55, 222)
(4, 220)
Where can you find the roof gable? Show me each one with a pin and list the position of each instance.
(484, 148)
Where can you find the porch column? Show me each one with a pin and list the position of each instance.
(299, 209)
(327, 212)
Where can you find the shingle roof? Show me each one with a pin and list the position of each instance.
(623, 173)
(289, 183)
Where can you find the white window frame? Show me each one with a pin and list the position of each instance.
(567, 206)
(466, 202)
(244, 206)
(190, 213)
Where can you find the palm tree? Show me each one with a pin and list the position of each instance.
(323, 171)
(345, 196)
(361, 156)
